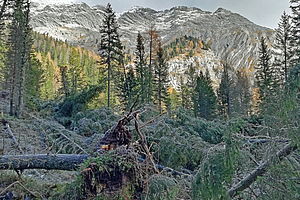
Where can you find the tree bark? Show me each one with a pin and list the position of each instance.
(261, 170)
(66, 162)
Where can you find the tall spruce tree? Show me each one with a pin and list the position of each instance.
(127, 83)
(110, 46)
(266, 73)
(204, 98)
(241, 94)
(283, 46)
(161, 79)
(187, 87)
(153, 49)
(141, 69)
(225, 92)
(75, 71)
(65, 88)
(295, 42)
(19, 54)
(32, 83)
(130, 91)
(5, 15)
(3, 69)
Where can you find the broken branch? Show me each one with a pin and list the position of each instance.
(261, 170)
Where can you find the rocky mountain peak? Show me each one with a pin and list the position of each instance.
(228, 35)
(222, 11)
(186, 8)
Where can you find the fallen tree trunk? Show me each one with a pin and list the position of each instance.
(72, 161)
(42, 161)
(67, 162)
(261, 170)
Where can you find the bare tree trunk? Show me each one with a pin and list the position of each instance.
(261, 170)
(12, 90)
(42, 161)
(20, 92)
(108, 83)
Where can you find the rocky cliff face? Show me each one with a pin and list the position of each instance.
(232, 37)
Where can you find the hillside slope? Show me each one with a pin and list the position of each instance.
(231, 36)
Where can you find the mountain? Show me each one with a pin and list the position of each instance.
(231, 36)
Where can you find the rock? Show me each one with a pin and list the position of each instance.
(232, 36)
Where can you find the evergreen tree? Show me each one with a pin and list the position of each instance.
(126, 83)
(241, 94)
(110, 46)
(130, 89)
(225, 92)
(161, 79)
(184, 94)
(49, 83)
(153, 49)
(4, 69)
(187, 87)
(19, 54)
(266, 74)
(295, 42)
(283, 46)
(65, 89)
(32, 83)
(75, 70)
(66, 69)
(141, 69)
(204, 98)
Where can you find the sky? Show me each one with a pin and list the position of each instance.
(263, 12)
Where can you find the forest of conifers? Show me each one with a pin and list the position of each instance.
(112, 124)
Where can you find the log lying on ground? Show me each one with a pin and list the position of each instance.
(67, 162)
(42, 161)
(261, 170)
